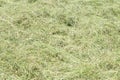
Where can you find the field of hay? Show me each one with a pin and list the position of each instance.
(59, 39)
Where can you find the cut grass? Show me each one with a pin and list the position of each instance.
(59, 40)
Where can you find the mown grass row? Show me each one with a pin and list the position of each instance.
(59, 40)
